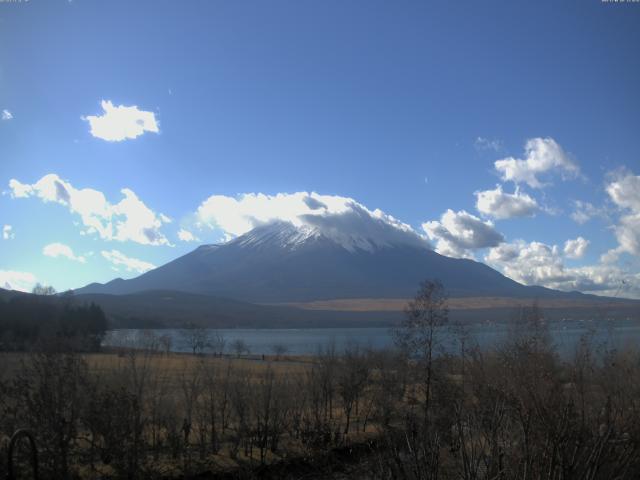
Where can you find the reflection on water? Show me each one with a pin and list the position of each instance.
(565, 335)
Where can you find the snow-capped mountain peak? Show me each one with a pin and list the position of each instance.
(286, 235)
(283, 234)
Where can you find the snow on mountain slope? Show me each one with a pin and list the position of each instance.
(379, 234)
(341, 219)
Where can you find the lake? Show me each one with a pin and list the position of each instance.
(565, 335)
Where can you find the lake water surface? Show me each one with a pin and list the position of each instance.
(565, 335)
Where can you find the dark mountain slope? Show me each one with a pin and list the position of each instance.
(163, 308)
(278, 263)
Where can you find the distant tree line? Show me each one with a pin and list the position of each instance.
(29, 321)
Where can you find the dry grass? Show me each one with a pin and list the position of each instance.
(466, 303)
(173, 365)
(172, 371)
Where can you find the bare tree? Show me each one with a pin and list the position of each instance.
(40, 289)
(215, 405)
(418, 332)
(196, 338)
(239, 346)
(279, 349)
(241, 402)
(165, 341)
(388, 386)
(353, 375)
(147, 340)
(217, 342)
(191, 382)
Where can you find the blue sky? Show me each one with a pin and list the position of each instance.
(401, 106)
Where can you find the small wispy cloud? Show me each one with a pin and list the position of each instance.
(6, 114)
(117, 258)
(482, 143)
(585, 211)
(186, 236)
(119, 123)
(7, 232)
(56, 250)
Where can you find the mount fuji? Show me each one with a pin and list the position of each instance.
(280, 262)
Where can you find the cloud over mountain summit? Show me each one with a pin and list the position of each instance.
(340, 218)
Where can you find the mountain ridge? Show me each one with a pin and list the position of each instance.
(175, 309)
(279, 263)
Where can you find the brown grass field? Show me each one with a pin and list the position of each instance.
(174, 371)
(173, 365)
(465, 303)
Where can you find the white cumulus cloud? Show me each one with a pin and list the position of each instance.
(576, 248)
(56, 250)
(457, 234)
(542, 156)
(501, 205)
(341, 218)
(7, 232)
(13, 280)
(536, 263)
(6, 115)
(117, 258)
(128, 220)
(624, 191)
(186, 236)
(121, 123)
